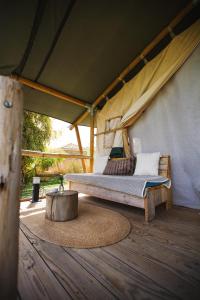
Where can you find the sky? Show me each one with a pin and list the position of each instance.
(66, 136)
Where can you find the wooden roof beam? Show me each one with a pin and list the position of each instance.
(50, 91)
(136, 60)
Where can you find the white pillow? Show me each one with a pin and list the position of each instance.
(100, 163)
(147, 163)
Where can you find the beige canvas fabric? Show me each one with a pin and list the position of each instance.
(136, 95)
(109, 138)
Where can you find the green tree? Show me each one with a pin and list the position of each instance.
(35, 136)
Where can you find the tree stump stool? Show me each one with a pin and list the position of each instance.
(61, 206)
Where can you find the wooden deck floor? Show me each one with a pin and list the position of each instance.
(157, 261)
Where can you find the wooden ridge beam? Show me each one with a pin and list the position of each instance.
(31, 153)
(48, 90)
(136, 60)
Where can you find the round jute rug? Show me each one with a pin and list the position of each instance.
(94, 227)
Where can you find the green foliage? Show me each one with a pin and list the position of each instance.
(35, 136)
(46, 184)
(74, 167)
(44, 163)
(36, 131)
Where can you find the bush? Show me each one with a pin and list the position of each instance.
(36, 134)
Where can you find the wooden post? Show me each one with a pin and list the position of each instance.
(126, 142)
(149, 207)
(11, 109)
(91, 140)
(61, 207)
(80, 147)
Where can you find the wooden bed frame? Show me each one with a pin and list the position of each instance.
(154, 197)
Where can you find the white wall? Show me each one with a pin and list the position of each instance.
(172, 126)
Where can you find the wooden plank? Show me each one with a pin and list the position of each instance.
(36, 281)
(74, 278)
(80, 256)
(53, 155)
(50, 91)
(159, 246)
(165, 166)
(127, 282)
(158, 194)
(177, 229)
(136, 60)
(164, 160)
(162, 173)
(107, 194)
(160, 260)
(11, 109)
(174, 275)
(91, 141)
(80, 147)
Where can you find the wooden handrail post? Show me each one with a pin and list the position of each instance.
(91, 140)
(11, 109)
(80, 147)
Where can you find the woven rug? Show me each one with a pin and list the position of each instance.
(94, 227)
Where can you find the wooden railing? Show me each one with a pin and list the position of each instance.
(32, 153)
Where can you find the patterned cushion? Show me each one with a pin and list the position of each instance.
(124, 166)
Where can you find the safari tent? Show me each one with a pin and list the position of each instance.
(130, 69)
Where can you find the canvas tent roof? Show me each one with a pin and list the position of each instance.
(77, 47)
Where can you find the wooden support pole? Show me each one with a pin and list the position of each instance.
(31, 153)
(80, 147)
(137, 59)
(91, 140)
(11, 109)
(109, 131)
(125, 137)
(50, 91)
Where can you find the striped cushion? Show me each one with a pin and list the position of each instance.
(123, 166)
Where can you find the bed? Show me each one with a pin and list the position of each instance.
(145, 192)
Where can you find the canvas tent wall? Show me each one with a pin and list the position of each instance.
(132, 98)
(171, 125)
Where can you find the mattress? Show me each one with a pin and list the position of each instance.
(135, 185)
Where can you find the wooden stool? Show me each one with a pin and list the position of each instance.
(62, 206)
